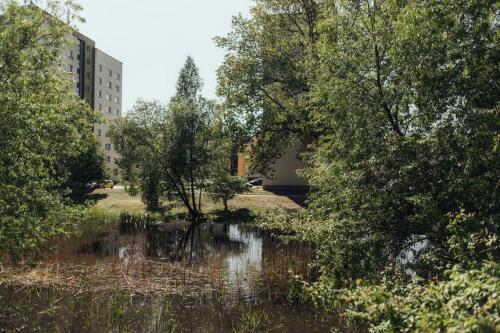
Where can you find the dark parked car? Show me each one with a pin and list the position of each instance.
(255, 182)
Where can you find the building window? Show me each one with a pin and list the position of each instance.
(117, 112)
(71, 68)
(118, 77)
(100, 81)
(108, 97)
(109, 159)
(117, 100)
(117, 88)
(100, 68)
(108, 146)
(115, 172)
(100, 93)
(71, 54)
(110, 85)
(99, 107)
(107, 134)
(110, 72)
(99, 132)
(110, 110)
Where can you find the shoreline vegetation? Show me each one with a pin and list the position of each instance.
(115, 208)
(393, 108)
(405, 303)
(50, 272)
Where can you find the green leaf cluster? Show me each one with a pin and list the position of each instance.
(171, 152)
(395, 104)
(468, 301)
(43, 125)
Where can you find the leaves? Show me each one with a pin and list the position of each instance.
(168, 152)
(467, 301)
(43, 125)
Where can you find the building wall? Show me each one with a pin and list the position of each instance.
(283, 175)
(97, 79)
(86, 66)
(108, 102)
(241, 167)
(80, 59)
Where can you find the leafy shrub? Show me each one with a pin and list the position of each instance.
(466, 302)
(226, 187)
(298, 225)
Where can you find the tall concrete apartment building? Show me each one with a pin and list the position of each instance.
(98, 80)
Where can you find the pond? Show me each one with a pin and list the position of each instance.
(152, 278)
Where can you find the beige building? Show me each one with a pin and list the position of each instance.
(283, 173)
(108, 102)
(98, 80)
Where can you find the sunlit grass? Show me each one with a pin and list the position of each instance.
(115, 202)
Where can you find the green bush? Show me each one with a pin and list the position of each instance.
(225, 187)
(468, 301)
(44, 124)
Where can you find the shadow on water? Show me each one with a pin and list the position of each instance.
(249, 269)
(242, 215)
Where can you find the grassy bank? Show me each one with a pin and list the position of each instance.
(117, 201)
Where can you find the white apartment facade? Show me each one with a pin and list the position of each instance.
(108, 102)
(98, 79)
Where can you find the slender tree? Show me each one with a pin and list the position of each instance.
(167, 151)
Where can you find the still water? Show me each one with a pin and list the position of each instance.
(156, 278)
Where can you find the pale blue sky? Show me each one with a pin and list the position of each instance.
(153, 38)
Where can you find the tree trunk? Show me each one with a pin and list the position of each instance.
(194, 215)
(199, 201)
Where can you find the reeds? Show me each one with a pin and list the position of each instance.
(120, 292)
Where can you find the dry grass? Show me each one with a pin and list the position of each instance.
(118, 201)
(262, 201)
(145, 277)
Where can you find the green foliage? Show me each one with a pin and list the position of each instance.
(167, 152)
(241, 215)
(267, 75)
(397, 102)
(134, 136)
(298, 225)
(43, 123)
(473, 238)
(468, 301)
(408, 138)
(189, 83)
(403, 100)
(225, 187)
(88, 166)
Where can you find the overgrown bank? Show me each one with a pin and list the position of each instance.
(394, 106)
(463, 299)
